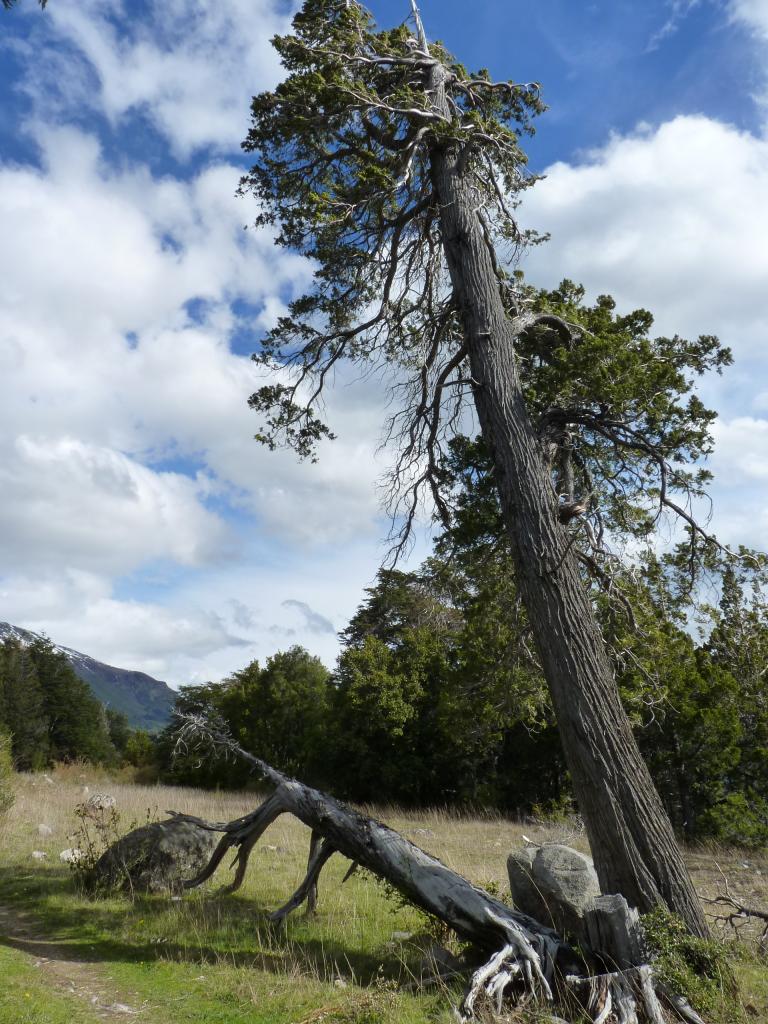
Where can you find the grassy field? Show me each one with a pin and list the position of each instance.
(206, 959)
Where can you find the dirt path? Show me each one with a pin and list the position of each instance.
(88, 980)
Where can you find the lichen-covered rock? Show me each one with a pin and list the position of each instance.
(72, 855)
(568, 884)
(154, 858)
(553, 884)
(100, 802)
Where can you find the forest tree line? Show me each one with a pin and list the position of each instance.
(437, 697)
(51, 715)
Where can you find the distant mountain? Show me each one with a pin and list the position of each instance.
(146, 701)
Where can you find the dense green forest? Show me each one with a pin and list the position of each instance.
(52, 715)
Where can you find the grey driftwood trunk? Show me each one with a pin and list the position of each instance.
(524, 954)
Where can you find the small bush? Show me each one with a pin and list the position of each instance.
(699, 969)
(7, 795)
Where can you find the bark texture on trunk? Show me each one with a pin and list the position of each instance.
(632, 841)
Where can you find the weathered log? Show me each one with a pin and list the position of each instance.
(523, 954)
(521, 947)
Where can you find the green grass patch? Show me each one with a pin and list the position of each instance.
(27, 997)
(206, 960)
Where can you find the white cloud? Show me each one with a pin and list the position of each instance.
(673, 219)
(753, 14)
(190, 66)
(741, 450)
(104, 377)
(86, 262)
(75, 504)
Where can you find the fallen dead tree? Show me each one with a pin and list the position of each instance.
(526, 957)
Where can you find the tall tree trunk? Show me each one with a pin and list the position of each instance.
(632, 840)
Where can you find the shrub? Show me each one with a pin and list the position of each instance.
(700, 970)
(7, 795)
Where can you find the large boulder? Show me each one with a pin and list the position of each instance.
(555, 884)
(523, 886)
(154, 858)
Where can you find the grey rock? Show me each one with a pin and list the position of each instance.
(568, 884)
(72, 855)
(554, 884)
(44, 830)
(100, 802)
(524, 890)
(155, 858)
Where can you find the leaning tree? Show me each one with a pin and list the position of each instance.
(397, 171)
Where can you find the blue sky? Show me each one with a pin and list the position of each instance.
(139, 521)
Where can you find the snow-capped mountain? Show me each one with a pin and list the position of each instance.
(146, 701)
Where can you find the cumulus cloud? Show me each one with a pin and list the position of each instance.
(189, 66)
(671, 218)
(98, 344)
(76, 504)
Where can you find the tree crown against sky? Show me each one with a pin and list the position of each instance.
(343, 173)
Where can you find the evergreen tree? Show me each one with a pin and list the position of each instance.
(77, 721)
(397, 170)
(22, 706)
(278, 712)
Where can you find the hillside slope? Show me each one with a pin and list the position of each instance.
(146, 701)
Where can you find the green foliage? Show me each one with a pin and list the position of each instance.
(22, 706)
(277, 712)
(342, 171)
(618, 402)
(49, 711)
(738, 818)
(698, 969)
(7, 795)
(140, 749)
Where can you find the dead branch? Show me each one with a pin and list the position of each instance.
(736, 913)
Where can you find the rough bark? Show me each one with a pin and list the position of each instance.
(632, 841)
